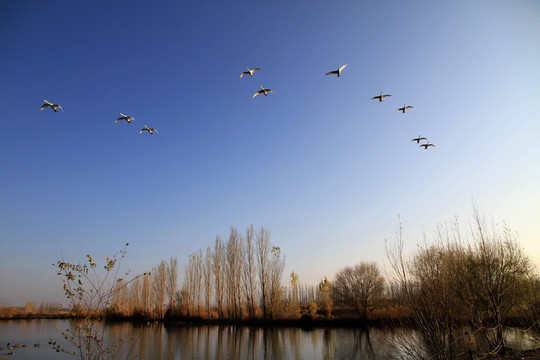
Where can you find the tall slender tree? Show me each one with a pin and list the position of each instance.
(277, 265)
(234, 272)
(198, 266)
(172, 281)
(147, 292)
(249, 271)
(159, 283)
(219, 274)
(263, 254)
(207, 280)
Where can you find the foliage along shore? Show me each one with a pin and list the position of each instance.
(341, 317)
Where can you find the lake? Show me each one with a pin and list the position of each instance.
(184, 341)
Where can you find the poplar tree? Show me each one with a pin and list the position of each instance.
(207, 279)
(219, 274)
(233, 270)
(249, 271)
(263, 252)
(172, 281)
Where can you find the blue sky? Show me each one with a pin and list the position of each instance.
(318, 163)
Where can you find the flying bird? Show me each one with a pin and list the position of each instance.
(124, 117)
(55, 107)
(150, 130)
(380, 97)
(426, 145)
(420, 138)
(262, 91)
(249, 72)
(337, 72)
(405, 108)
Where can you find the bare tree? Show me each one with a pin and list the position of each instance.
(359, 286)
(426, 281)
(207, 280)
(135, 293)
(219, 274)
(172, 281)
(263, 254)
(234, 272)
(249, 269)
(277, 264)
(189, 290)
(496, 270)
(448, 283)
(147, 294)
(198, 276)
(159, 277)
(121, 297)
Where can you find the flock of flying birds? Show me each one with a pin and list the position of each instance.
(264, 91)
(338, 73)
(127, 118)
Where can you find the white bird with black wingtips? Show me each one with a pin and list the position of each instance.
(47, 104)
(337, 72)
(263, 91)
(124, 117)
(249, 72)
(150, 130)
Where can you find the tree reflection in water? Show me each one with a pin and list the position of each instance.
(184, 341)
(187, 341)
(244, 342)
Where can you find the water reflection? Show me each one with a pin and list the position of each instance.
(241, 342)
(185, 341)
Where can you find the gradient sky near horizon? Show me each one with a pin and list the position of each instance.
(325, 169)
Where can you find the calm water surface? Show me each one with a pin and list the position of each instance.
(164, 341)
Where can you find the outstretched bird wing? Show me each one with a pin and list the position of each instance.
(257, 93)
(44, 106)
(331, 72)
(343, 67)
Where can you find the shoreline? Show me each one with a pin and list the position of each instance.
(301, 322)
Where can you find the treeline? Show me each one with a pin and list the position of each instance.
(484, 281)
(481, 280)
(30, 310)
(241, 278)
